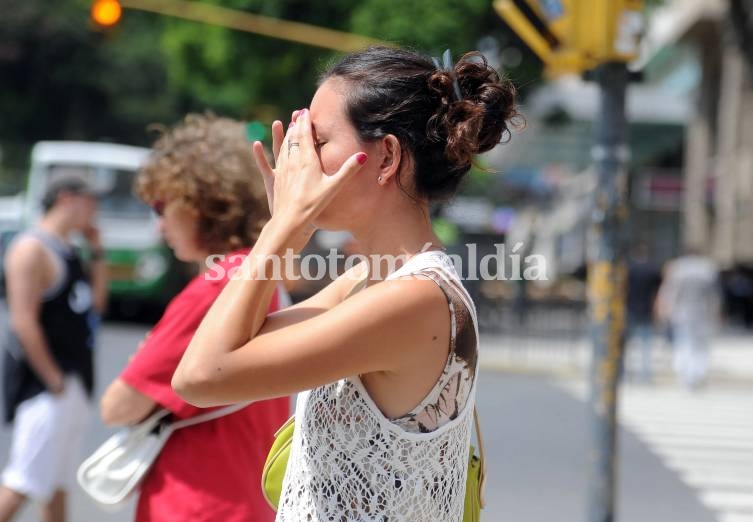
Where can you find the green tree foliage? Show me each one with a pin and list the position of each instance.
(240, 72)
(245, 74)
(428, 26)
(61, 78)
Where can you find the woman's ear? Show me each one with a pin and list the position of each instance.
(392, 155)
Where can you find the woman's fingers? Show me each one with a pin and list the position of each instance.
(351, 166)
(297, 177)
(267, 174)
(278, 134)
(305, 135)
(260, 156)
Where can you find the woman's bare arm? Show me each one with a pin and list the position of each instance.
(386, 328)
(123, 405)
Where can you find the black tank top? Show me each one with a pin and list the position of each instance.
(66, 319)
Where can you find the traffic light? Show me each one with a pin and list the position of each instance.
(576, 35)
(607, 30)
(106, 13)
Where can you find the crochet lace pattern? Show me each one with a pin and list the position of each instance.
(349, 462)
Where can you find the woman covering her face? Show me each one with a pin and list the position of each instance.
(386, 363)
(202, 182)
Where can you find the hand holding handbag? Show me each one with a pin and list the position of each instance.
(114, 471)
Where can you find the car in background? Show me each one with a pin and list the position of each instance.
(142, 270)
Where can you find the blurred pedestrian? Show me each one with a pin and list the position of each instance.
(644, 278)
(48, 369)
(689, 301)
(202, 182)
(387, 367)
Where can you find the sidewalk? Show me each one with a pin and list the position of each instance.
(731, 357)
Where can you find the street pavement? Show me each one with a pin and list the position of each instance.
(536, 433)
(705, 438)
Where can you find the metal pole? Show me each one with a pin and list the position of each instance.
(253, 23)
(606, 287)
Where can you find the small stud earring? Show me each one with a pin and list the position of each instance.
(379, 178)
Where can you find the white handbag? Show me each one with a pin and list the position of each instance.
(114, 471)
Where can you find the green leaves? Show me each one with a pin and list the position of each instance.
(63, 79)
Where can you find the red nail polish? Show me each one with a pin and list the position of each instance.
(361, 158)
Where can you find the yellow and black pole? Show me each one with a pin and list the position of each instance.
(617, 32)
(574, 36)
(107, 13)
(607, 287)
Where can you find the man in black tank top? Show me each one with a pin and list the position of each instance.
(48, 365)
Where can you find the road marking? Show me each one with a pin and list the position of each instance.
(719, 479)
(728, 500)
(706, 438)
(736, 517)
(681, 441)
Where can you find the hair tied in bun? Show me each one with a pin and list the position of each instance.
(448, 66)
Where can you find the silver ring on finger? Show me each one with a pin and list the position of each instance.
(292, 144)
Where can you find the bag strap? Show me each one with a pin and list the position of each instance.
(481, 457)
(205, 417)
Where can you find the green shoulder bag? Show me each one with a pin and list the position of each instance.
(277, 463)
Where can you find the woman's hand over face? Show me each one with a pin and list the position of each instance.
(297, 189)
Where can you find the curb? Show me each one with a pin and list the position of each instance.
(569, 372)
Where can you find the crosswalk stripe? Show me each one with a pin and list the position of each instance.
(689, 417)
(712, 431)
(728, 500)
(730, 481)
(703, 455)
(685, 465)
(706, 438)
(681, 424)
(645, 404)
(680, 441)
(736, 517)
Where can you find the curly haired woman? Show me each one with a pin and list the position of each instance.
(202, 182)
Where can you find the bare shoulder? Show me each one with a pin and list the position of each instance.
(413, 300)
(27, 254)
(29, 270)
(342, 287)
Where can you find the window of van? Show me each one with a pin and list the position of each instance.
(114, 185)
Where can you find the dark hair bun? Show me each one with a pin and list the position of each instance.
(478, 121)
(400, 92)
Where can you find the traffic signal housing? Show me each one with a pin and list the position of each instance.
(576, 35)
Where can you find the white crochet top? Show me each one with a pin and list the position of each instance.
(349, 462)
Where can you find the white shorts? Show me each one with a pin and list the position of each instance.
(47, 435)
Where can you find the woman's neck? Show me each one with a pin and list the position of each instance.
(398, 233)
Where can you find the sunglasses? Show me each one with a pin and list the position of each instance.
(158, 207)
